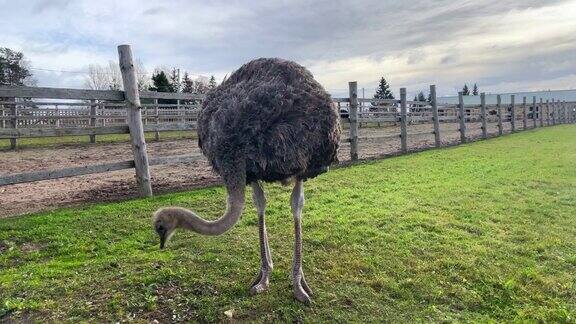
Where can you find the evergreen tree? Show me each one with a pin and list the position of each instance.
(187, 84)
(429, 97)
(466, 90)
(421, 96)
(475, 90)
(212, 83)
(13, 68)
(175, 80)
(194, 86)
(383, 91)
(162, 84)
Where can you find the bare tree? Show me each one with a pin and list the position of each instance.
(115, 76)
(142, 76)
(97, 78)
(109, 77)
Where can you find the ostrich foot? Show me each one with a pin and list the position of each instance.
(302, 291)
(260, 283)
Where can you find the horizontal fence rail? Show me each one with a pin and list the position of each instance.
(43, 112)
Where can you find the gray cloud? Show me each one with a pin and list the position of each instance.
(435, 41)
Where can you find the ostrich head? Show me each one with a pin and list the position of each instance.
(164, 224)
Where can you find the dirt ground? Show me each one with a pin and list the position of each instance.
(119, 185)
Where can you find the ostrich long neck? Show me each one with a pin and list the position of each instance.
(189, 220)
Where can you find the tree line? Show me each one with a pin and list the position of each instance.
(383, 92)
(15, 70)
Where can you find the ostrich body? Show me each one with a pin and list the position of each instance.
(270, 121)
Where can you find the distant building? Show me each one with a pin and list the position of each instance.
(561, 95)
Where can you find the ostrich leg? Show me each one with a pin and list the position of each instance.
(260, 284)
(302, 291)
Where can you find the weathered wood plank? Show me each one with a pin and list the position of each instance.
(539, 114)
(512, 113)
(135, 119)
(86, 94)
(377, 101)
(175, 159)
(554, 111)
(371, 138)
(6, 133)
(14, 125)
(377, 120)
(499, 114)
(156, 120)
(50, 132)
(171, 95)
(59, 93)
(524, 114)
(64, 173)
(483, 115)
(435, 119)
(93, 107)
(92, 169)
(353, 93)
(462, 117)
(547, 112)
(403, 121)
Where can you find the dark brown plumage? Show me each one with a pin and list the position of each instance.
(270, 120)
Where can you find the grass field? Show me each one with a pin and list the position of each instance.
(479, 232)
(75, 140)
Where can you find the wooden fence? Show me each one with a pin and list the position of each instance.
(96, 112)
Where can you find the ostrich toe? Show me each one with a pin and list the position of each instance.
(260, 283)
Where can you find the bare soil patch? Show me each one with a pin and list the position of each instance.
(120, 185)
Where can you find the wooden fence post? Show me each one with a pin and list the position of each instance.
(435, 119)
(554, 111)
(462, 117)
(499, 114)
(180, 112)
(483, 115)
(541, 109)
(512, 113)
(524, 114)
(93, 107)
(560, 112)
(156, 120)
(134, 118)
(534, 115)
(102, 112)
(14, 123)
(547, 112)
(353, 116)
(403, 114)
(57, 113)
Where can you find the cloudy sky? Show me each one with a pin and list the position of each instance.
(503, 45)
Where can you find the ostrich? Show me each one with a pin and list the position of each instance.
(269, 121)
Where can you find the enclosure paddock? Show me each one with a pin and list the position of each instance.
(42, 178)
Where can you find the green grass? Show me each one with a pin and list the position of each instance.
(480, 232)
(74, 140)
